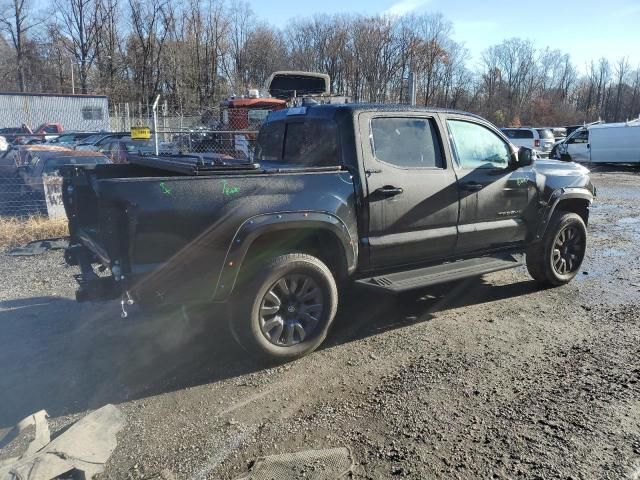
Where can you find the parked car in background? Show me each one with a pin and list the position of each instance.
(539, 139)
(12, 134)
(559, 133)
(47, 131)
(70, 138)
(118, 150)
(99, 140)
(25, 136)
(602, 143)
(18, 155)
(49, 162)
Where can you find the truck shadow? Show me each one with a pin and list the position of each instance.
(67, 357)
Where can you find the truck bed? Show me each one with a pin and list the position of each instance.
(172, 231)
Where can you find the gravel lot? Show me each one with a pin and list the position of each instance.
(485, 378)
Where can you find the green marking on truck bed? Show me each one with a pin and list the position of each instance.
(228, 190)
(166, 190)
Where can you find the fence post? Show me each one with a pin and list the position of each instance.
(155, 122)
(412, 88)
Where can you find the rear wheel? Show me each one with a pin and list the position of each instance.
(557, 258)
(286, 310)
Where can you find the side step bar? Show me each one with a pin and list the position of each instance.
(446, 272)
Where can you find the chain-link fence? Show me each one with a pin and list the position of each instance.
(19, 199)
(69, 125)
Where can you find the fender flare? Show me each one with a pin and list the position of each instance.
(254, 227)
(566, 193)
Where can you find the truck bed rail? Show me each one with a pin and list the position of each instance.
(192, 164)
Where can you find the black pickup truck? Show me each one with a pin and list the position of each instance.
(391, 198)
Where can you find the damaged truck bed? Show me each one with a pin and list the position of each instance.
(173, 232)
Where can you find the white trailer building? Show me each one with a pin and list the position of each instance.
(73, 112)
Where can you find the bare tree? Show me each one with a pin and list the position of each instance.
(108, 46)
(16, 19)
(151, 23)
(242, 23)
(80, 23)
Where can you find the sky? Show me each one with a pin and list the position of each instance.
(586, 29)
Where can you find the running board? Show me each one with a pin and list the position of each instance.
(446, 272)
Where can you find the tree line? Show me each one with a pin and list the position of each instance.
(197, 52)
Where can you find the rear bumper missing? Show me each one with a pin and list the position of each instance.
(94, 288)
(91, 287)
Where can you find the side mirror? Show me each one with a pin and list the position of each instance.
(525, 157)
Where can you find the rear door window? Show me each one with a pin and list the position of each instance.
(406, 142)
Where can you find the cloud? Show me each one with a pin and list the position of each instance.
(405, 6)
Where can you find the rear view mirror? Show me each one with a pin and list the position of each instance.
(525, 157)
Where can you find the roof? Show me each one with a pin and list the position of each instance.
(44, 148)
(631, 123)
(253, 102)
(21, 94)
(329, 110)
(68, 154)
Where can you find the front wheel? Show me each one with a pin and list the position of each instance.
(557, 258)
(286, 310)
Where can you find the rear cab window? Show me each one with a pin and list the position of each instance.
(301, 142)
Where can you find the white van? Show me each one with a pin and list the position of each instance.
(602, 143)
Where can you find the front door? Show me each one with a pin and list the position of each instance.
(578, 146)
(495, 198)
(412, 194)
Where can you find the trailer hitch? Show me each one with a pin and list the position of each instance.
(125, 299)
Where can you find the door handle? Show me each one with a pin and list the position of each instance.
(389, 191)
(472, 187)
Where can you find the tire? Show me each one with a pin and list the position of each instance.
(275, 315)
(556, 259)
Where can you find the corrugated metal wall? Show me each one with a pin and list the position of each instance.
(79, 112)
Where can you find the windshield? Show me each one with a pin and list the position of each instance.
(139, 146)
(90, 139)
(70, 138)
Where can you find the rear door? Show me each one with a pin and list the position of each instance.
(495, 198)
(411, 191)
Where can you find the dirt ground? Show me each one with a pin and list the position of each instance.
(485, 378)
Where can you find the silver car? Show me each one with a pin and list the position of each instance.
(539, 139)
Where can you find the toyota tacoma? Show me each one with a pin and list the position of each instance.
(390, 198)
